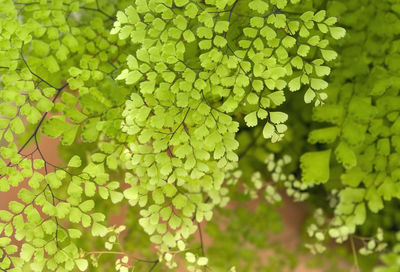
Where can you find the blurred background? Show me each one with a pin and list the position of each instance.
(284, 229)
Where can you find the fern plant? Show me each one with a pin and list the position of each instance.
(171, 106)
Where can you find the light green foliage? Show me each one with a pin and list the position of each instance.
(228, 69)
(277, 170)
(359, 124)
(38, 52)
(315, 167)
(170, 106)
(178, 122)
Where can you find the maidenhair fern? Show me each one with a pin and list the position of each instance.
(360, 117)
(171, 105)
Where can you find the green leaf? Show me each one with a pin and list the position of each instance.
(49, 227)
(27, 252)
(98, 157)
(174, 222)
(319, 16)
(116, 197)
(295, 84)
(5, 215)
(87, 205)
(318, 84)
(54, 126)
(17, 126)
(158, 196)
(258, 5)
(15, 206)
(40, 48)
(328, 55)
(51, 247)
(74, 233)
(38, 164)
(191, 10)
(99, 230)
(44, 105)
(221, 26)
(133, 77)
(345, 155)
(353, 177)
(8, 110)
(189, 36)
(268, 33)
(324, 135)
(307, 16)
(75, 161)
(268, 130)
(181, 3)
(180, 22)
(375, 202)
(288, 41)
(360, 214)
(309, 96)
(62, 209)
(4, 241)
(190, 257)
(69, 135)
(35, 180)
(251, 119)
(322, 70)
(278, 117)
(82, 264)
(352, 195)
(179, 201)
(219, 41)
(303, 50)
(25, 195)
(74, 71)
(277, 97)
(337, 32)
(315, 166)
(74, 189)
(297, 62)
(53, 180)
(75, 215)
(202, 261)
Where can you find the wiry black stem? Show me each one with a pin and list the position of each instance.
(154, 266)
(201, 239)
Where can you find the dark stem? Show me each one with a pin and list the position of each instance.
(201, 239)
(154, 265)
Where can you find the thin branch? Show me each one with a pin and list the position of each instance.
(181, 124)
(41, 119)
(231, 10)
(201, 239)
(41, 154)
(230, 15)
(154, 266)
(41, 79)
(251, 145)
(100, 11)
(353, 249)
